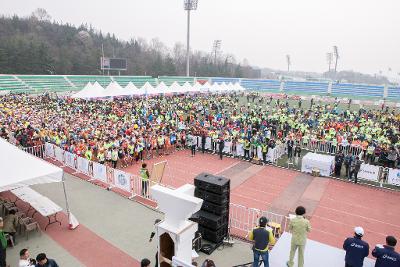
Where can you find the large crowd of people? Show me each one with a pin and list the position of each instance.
(123, 131)
(120, 132)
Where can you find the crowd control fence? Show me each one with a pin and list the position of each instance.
(241, 219)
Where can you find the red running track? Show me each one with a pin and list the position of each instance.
(342, 206)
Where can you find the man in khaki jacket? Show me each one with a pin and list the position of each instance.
(300, 227)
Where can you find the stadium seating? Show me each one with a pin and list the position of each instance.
(40, 83)
(138, 81)
(225, 80)
(46, 82)
(357, 90)
(168, 80)
(394, 93)
(312, 88)
(11, 83)
(262, 85)
(81, 80)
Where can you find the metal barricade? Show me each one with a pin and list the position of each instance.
(37, 151)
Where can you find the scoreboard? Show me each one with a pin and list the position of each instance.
(107, 63)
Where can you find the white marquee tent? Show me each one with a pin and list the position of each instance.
(148, 89)
(90, 91)
(131, 89)
(113, 89)
(84, 92)
(186, 87)
(175, 88)
(20, 169)
(162, 88)
(215, 87)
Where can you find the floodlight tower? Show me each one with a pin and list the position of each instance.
(329, 58)
(288, 62)
(336, 54)
(188, 5)
(216, 48)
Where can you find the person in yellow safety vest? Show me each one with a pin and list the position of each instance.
(101, 156)
(264, 149)
(144, 174)
(114, 157)
(263, 239)
(88, 153)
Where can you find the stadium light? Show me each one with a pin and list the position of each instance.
(336, 54)
(329, 57)
(188, 5)
(288, 62)
(216, 47)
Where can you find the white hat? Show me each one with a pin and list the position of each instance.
(359, 231)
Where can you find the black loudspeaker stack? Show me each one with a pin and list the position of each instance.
(213, 218)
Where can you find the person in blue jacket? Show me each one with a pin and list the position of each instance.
(385, 255)
(356, 249)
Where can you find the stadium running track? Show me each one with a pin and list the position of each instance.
(334, 207)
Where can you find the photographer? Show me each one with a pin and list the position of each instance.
(24, 259)
(385, 255)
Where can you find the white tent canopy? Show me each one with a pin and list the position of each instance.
(97, 90)
(175, 88)
(90, 91)
(215, 87)
(22, 169)
(197, 87)
(238, 87)
(113, 89)
(205, 88)
(148, 89)
(186, 87)
(84, 92)
(162, 88)
(131, 89)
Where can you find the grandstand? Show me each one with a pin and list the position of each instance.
(168, 80)
(79, 81)
(48, 82)
(225, 80)
(313, 88)
(57, 83)
(138, 81)
(12, 84)
(394, 93)
(263, 85)
(357, 90)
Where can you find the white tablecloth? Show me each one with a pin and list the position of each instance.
(324, 163)
(40, 203)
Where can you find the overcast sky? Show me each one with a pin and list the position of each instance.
(367, 32)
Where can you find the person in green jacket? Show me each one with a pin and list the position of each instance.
(299, 227)
(3, 245)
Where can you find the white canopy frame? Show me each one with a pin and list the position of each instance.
(34, 171)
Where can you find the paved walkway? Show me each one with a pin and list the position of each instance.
(114, 231)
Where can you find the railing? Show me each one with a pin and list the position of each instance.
(330, 147)
(237, 150)
(37, 151)
(243, 219)
(130, 185)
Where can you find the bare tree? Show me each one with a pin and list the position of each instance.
(41, 14)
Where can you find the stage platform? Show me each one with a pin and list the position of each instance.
(316, 254)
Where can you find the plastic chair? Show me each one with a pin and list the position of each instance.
(30, 225)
